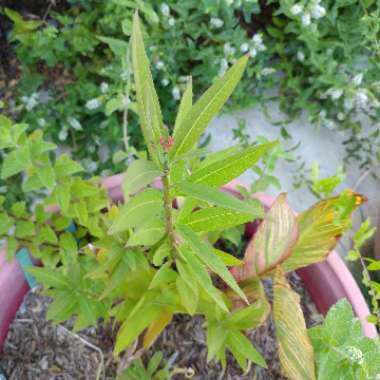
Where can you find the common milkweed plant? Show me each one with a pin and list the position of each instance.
(140, 262)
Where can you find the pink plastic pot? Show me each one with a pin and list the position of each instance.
(326, 282)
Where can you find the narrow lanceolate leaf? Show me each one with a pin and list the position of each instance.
(49, 278)
(272, 243)
(200, 275)
(215, 219)
(294, 346)
(145, 92)
(219, 198)
(208, 257)
(185, 105)
(224, 170)
(139, 174)
(156, 328)
(205, 109)
(320, 227)
(138, 210)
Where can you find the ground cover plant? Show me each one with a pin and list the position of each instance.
(74, 76)
(140, 262)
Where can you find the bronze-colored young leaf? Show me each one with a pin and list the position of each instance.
(205, 109)
(147, 100)
(272, 243)
(320, 227)
(156, 328)
(294, 346)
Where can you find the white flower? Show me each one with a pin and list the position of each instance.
(103, 124)
(306, 19)
(41, 122)
(93, 104)
(300, 56)
(160, 65)
(104, 87)
(322, 114)
(329, 124)
(267, 71)
(340, 116)
(62, 135)
(318, 11)
(244, 47)
(89, 165)
(176, 92)
(165, 82)
(296, 9)
(216, 22)
(253, 52)
(257, 40)
(31, 101)
(361, 97)
(75, 124)
(223, 66)
(335, 93)
(165, 9)
(171, 21)
(228, 49)
(375, 103)
(348, 104)
(357, 79)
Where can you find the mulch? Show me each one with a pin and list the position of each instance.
(37, 350)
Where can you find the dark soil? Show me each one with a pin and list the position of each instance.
(37, 350)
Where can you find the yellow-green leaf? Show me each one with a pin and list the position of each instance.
(156, 328)
(185, 105)
(224, 170)
(320, 227)
(294, 346)
(205, 109)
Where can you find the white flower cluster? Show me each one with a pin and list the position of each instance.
(216, 23)
(41, 122)
(176, 92)
(313, 10)
(104, 87)
(165, 10)
(93, 104)
(89, 165)
(257, 45)
(355, 354)
(30, 101)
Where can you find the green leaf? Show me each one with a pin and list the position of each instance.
(118, 47)
(64, 166)
(273, 241)
(185, 105)
(47, 234)
(114, 104)
(219, 198)
(69, 244)
(63, 195)
(148, 234)
(138, 210)
(189, 298)
(224, 170)
(147, 100)
(46, 174)
(228, 260)
(207, 256)
(134, 326)
(294, 347)
(49, 277)
(205, 109)
(62, 307)
(24, 228)
(320, 227)
(240, 344)
(12, 245)
(156, 328)
(164, 275)
(87, 315)
(215, 219)
(15, 162)
(81, 212)
(216, 338)
(201, 276)
(139, 174)
(161, 253)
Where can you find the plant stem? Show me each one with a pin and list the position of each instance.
(168, 211)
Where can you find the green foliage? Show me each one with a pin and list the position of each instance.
(321, 55)
(341, 351)
(140, 262)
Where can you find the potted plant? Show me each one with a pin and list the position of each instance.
(140, 262)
